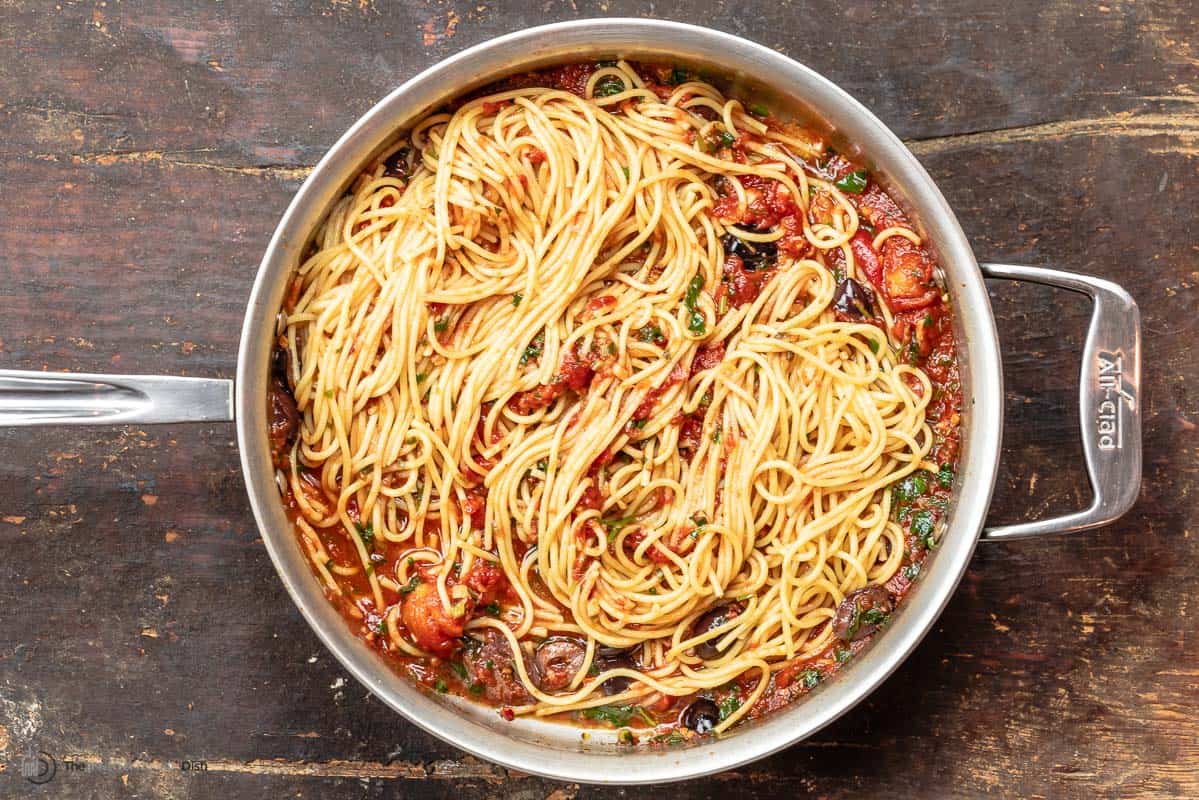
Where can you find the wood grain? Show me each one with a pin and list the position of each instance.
(146, 154)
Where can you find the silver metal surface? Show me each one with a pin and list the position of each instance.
(1109, 407)
(558, 750)
(55, 398)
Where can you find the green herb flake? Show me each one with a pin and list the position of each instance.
(842, 655)
(492, 609)
(615, 526)
(625, 170)
(381, 628)
(810, 678)
(410, 586)
(459, 669)
(945, 476)
(726, 139)
(441, 324)
(922, 527)
(516, 298)
(678, 75)
(440, 686)
(759, 110)
(695, 319)
(874, 616)
(652, 334)
(854, 182)
(608, 86)
(534, 350)
(616, 716)
(911, 571)
(367, 534)
(729, 706)
(420, 377)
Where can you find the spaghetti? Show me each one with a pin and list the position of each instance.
(607, 390)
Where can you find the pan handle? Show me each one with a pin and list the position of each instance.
(1109, 402)
(52, 398)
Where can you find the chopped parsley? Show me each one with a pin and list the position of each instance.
(842, 654)
(922, 528)
(625, 170)
(608, 86)
(695, 319)
(492, 609)
(726, 139)
(652, 334)
(516, 298)
(810, 678)
(615, 526)
(911, 487)
(616, 716)
(874, 616)
(534, 350)
(441, 324)
(757, 109)
(729, 706)
(459, 669)
(440, 686)
(410, 586)
(854, 182)
(945, 476)
(678, 75)
(367, 534)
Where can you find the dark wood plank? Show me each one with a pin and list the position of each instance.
(146, 156)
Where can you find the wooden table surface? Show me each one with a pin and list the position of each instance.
(146, 153)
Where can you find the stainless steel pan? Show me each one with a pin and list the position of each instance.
(1110, 381)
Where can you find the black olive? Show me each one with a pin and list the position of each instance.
(754, 255)
(862, 612)
(396, 164)
(607, 651)
(853, 301)
(619, 683)
(701, 716)
(279, 364)
(556, 661)
(713, 619)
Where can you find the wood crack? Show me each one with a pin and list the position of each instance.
(1181, 126)
(466, 769)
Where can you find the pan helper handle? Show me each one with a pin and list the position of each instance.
(1109, 401)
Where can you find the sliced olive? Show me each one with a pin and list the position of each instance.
(701, 716)
(754, 255)
(862, 612)
(607, 651)
(618, 683)
(556, 661)
(396, 164)
(713, 619)
(853, 301)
